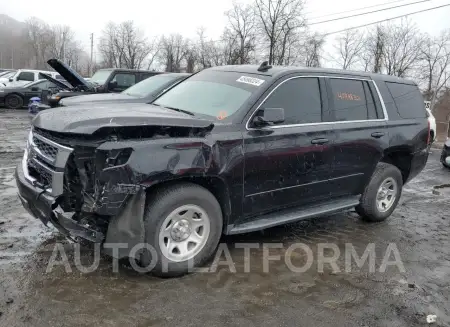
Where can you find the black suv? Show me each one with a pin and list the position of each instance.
(229, 150)
(103, 81)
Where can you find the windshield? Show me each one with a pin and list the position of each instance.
(149, 85)
(100, 77)
(214, 93)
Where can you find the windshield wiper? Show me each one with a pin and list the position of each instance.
(176, 109)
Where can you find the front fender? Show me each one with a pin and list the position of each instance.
(153, 161)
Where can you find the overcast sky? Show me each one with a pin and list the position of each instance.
(186, 16)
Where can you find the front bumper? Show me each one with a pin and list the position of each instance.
(43, 206)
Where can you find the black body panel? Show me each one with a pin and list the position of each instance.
(120, 150)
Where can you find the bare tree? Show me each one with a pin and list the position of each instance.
(173, 51)
(435, 64)
(125, 46)
(242, 22)
(372, 54)
(39, 39)
(349, 48)
(402, 48)
(279, 19)
(313, 48)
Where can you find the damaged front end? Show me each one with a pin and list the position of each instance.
(93, 187)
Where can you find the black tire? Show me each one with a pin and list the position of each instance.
(159, 205)
(443, 156)
(14, 101)
(367, 208)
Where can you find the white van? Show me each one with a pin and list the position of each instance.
(24, 76)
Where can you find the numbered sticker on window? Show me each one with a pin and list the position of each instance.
(348, 96)
(250, 80)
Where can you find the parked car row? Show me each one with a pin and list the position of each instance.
(16, 86)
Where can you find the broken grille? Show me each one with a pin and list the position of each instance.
(42, 175)
(44, 163)
(47, 150)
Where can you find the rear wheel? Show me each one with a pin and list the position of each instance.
(183, 223)
(381, 196)
(14, 101)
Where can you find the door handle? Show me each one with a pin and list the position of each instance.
(377, 135)
(319, 141)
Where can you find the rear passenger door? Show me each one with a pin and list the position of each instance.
(361, 133)
(289, 163)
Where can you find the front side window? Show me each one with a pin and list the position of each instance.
(37, 85)
(26, 76)
(217, 94)
(100, 77)
(124, 80)
(300, 99)
(349, 99)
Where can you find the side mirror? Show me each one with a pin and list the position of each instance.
(34, 89)
(269, 116)
(11, 80)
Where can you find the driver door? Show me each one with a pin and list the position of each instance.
(34, 91)
(289, 163)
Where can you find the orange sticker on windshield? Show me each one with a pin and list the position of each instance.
(222, 115)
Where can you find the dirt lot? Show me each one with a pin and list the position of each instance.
(419, 228)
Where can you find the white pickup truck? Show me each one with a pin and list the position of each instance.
(25, 76)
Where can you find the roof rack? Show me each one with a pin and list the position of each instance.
(264, 66)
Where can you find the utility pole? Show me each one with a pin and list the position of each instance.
(63, 47)
(92, 53)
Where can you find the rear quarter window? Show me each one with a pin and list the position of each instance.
(407, 99)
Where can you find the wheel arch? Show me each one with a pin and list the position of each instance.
(213, 184)
(401, 158)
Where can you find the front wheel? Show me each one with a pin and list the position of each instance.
(183, 223)
(14, 101)
(381, 196)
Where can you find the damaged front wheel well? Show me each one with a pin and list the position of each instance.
(213, 184)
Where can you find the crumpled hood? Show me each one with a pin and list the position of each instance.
(88, 119)
(95, 98)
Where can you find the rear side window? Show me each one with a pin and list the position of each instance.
(350, 100)
(407, 99)
(300, 99)
(26, 76)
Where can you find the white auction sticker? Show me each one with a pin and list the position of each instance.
(250, 80)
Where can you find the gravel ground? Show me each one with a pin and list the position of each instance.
(419, 229)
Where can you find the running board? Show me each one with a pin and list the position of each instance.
(294, 214)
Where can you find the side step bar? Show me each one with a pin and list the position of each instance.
(294, 214)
